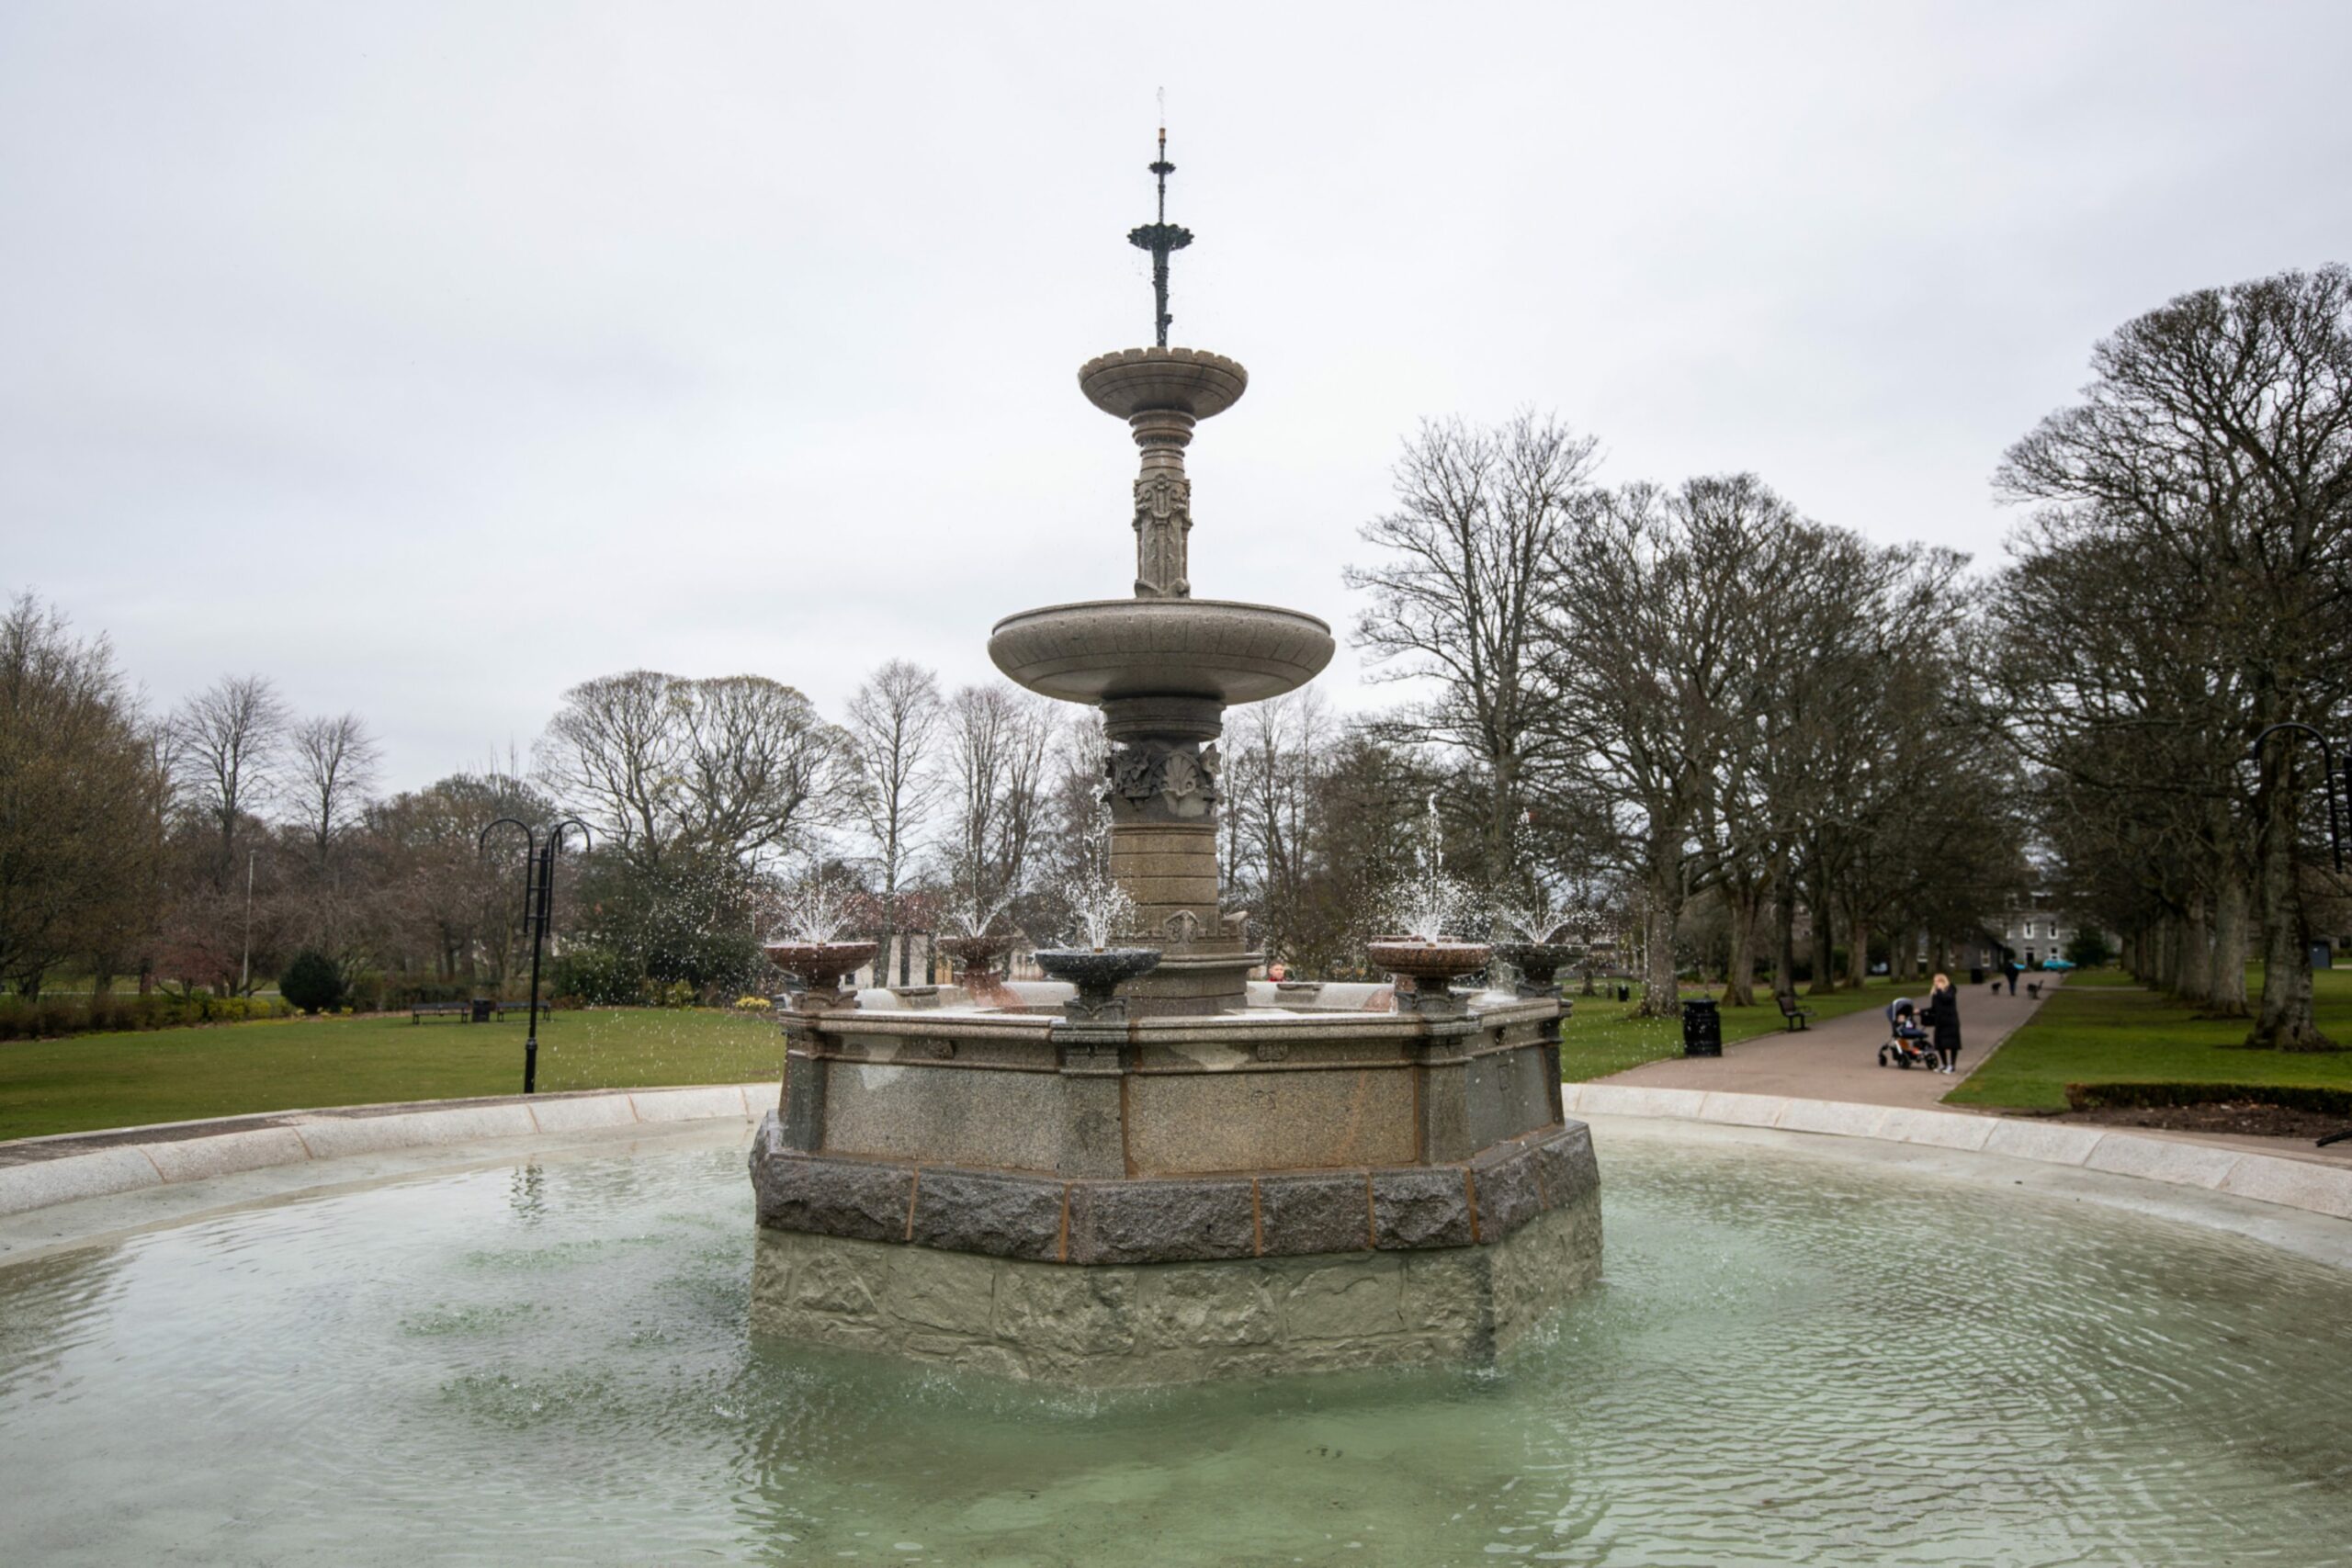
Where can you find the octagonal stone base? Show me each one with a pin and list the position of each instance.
(1173, 1322)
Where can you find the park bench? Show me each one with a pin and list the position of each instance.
(423, 1011)
(1795, 1017)
(505, 1008)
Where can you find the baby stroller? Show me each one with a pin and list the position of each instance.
(1906, 1044)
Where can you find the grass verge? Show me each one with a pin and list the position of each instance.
(2099, 1029)
(178, 1074)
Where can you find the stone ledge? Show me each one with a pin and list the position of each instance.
(2269, 1178)
(38, 1172)
(1104, 1222)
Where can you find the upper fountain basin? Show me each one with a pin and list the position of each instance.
(1107, 648)
(1189, 380)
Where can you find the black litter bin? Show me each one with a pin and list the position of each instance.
(481, 1011)
(1702, 1028)
(1624, 993)
(1976, 974)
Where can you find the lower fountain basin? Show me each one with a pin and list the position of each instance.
(547, 1357)
(1210, 648)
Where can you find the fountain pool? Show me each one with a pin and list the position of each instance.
(1800, 1354)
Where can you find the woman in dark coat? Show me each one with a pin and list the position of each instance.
(1943, 1019)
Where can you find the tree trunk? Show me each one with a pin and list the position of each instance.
(2193, 967)
(2284, 1023)
(1784, 956)
(1662, 993)
(1825, 948)
(2229, 947)
(1858, 958)
(1740, 979)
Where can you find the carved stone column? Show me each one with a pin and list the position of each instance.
(1162, 786)
(1163, 504)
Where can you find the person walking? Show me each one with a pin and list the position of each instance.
(2009, 968)
(1943, 1019)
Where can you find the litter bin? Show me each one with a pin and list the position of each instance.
(481, 1013)
(1702, 1028)
(1976, 974)
(1624, 993)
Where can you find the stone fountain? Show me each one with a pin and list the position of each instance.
(1178, 1173)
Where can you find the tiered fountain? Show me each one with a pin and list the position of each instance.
(1173, 1172)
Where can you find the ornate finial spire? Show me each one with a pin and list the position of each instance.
(1161, 237)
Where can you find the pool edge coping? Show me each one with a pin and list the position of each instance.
(197, 1151)
(2323, 1190)
(200, 1150)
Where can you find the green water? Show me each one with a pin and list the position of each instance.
(1793, 1360)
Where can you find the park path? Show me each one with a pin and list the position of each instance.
(1838, 1060)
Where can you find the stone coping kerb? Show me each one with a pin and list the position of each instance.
(2266, 1179)
(68, 1167)
(38, 1172)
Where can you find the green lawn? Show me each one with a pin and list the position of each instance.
(2098, 1028)
(1602, 1038)
(179, 1075)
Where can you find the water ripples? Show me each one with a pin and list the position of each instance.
(1793, 1360)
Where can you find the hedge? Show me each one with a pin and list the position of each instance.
(54, 1017)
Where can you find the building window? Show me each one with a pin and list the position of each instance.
(2029, 927)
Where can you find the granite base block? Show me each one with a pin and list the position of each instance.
(1181, 1322)
(1110, 1220)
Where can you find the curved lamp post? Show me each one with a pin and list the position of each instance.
(538, 906)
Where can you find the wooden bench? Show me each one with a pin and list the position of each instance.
(505, 1008)
(1795, 1017)
(461, 1012)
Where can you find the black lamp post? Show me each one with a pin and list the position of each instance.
(538, 906)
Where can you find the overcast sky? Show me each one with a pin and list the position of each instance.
(432, 358)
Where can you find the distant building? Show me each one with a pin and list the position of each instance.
(2036, 932)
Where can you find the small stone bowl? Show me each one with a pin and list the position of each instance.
(1415, 962)
(1097, 972)
(820, 966)
(1537, 961)
(977, 954)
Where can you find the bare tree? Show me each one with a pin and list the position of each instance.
(1276, 752)
(893, 719)
(1667, 609)
(998, 743)
(763, 767)
(1457, 597)
(230, 739)
(733, 769)
(2215, 444)
(77, 810)
(333, 768)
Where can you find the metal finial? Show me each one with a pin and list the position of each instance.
(1159, 238)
